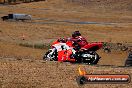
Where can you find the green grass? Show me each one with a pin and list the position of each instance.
(36, 46)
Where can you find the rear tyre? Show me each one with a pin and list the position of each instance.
(95, 59)
(92, 58)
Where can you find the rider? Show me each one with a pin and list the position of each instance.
(78, 40)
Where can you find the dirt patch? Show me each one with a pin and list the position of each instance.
(51, 74)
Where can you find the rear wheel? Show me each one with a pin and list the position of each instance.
(90, 57)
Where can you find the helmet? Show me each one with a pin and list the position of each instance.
(62, 40)
(76, 33)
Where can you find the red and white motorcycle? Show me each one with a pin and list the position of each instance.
(69, 52)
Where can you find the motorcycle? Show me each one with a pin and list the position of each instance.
(70, 52)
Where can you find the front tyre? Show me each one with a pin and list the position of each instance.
(49, 56)
(45, 57)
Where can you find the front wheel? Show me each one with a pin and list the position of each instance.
(45, 57)
(49, 56)
(90, 57)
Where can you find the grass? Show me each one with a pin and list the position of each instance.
(36, 46)
(19, 51)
